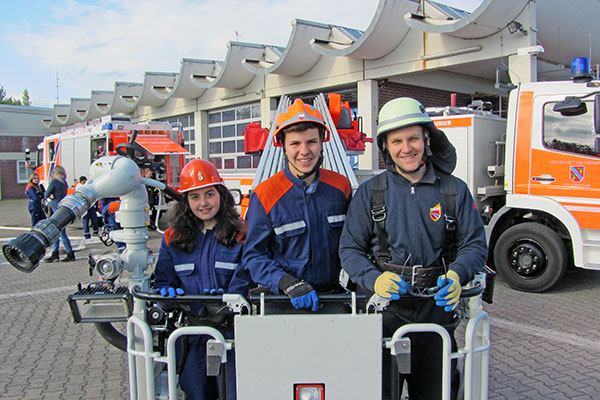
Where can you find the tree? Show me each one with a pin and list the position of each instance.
(15, 102)
(25, 98)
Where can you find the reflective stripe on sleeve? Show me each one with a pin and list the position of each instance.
(184, 267)
(290, 227)
(336, 218)
(225, 265)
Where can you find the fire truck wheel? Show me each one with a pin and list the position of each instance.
(530, 257)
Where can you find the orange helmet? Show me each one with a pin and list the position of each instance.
(294, 114)
(198, 174)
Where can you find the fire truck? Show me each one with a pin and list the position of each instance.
(158, 145)
(534, 178)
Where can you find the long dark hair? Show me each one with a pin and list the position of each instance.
(229, 228)
(37, 186)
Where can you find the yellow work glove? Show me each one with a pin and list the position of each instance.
(449, 293)
(390, 286)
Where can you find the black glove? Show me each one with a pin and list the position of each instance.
(258, 290)
(302, 294)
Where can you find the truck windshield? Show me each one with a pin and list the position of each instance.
(572, 134)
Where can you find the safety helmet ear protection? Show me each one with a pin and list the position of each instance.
(198, 174)
(296, 113)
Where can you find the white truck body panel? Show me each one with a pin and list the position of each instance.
(474, 138)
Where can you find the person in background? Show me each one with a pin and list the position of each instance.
(414, 226)
(110, 206)
(153, 194)
(57, 190)
(90, 216)
(295, 217)
(200, 253)
(35, 193)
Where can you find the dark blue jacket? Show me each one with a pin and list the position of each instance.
(58, 188)
(211, 265)
(35, 202)
(293, 231)
(415, 226)
(32, 193)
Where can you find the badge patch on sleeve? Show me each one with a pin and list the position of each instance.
(435, 212)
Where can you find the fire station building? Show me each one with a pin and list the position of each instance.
(20, 129)
(434, 53)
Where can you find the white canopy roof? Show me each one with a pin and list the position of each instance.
(400, 39)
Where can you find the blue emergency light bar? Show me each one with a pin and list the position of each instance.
(580, 69)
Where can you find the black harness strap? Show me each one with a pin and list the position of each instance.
(448, 190)
(379, 214)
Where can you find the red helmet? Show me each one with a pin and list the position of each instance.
(198, 174)
(294, 114)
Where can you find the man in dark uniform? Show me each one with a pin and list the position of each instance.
(394, 235)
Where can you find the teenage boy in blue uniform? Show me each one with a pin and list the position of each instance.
(419, 161)
(295, 218)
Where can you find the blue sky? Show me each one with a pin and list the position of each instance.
(91, 44)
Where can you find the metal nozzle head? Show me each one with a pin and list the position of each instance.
(25, 252)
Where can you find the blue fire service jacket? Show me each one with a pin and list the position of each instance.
(211, 265)
(295, 229)
(415, 225)
(35, 203)
(35, 197)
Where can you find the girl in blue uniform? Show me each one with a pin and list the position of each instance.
(200, 253)
(35, 194)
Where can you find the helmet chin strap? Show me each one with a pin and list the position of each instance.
(312, 171)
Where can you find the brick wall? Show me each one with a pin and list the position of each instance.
(8, 168)
(426, 96)
(10, 188)
(19, 143)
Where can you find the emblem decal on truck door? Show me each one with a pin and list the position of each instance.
(577, 173)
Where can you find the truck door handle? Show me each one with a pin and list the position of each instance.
(544, 178)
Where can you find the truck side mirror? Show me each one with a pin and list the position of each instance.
(570, 107)
(503, 79)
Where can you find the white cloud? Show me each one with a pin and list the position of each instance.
(93, 44)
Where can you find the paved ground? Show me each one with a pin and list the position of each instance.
(544, 346)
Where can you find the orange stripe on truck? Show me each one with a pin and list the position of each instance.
(523, 143)
(586, 219)
(452, 122)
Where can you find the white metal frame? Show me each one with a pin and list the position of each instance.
(475, 352)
